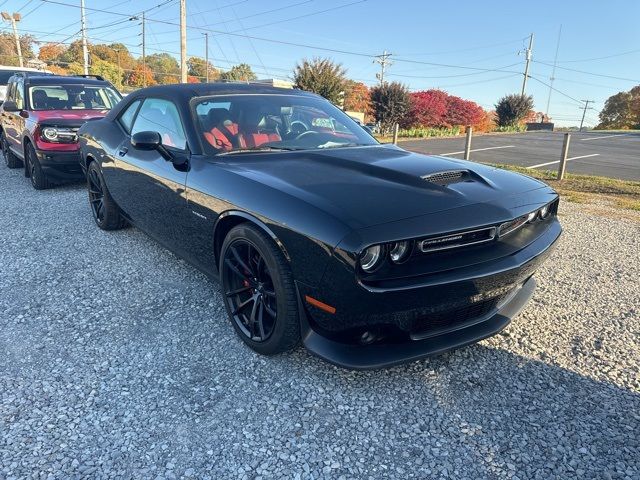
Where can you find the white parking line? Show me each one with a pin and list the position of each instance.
(604, 136)
(558, 161)
(475, 150)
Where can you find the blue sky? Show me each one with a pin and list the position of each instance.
(471, 34)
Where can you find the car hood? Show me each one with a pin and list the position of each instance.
(366, 186)
(67, 117)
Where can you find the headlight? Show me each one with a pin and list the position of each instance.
(532, 216)
(50, 133)
(545, 211)
(371, 258)
(399, 251)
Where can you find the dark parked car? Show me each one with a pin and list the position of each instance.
(368, 254)
(40, 118)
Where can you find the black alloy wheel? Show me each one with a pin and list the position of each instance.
(250, 291)
(259, 291)
(33, 170)
(10, 160)
(96, 195)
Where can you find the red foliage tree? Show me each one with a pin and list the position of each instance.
(192, 79)
(462, 112)
(428, 109)
(357, 98)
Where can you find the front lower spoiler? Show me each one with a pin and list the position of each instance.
(368, 357)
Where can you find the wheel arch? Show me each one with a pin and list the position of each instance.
(229, 219)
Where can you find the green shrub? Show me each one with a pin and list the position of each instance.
(511, 128)
(429, 132)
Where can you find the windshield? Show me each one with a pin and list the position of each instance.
(239, 123)
(72, 97)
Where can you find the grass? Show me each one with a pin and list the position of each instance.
(623, 194)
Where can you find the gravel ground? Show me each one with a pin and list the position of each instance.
(117, 361)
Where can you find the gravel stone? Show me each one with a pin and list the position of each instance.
(117, 361)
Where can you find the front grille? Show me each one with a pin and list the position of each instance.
(455, 240)
(446, 178)
(436, 323)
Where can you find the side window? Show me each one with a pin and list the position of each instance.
(126, 117)
(157, 115)
(19, 94)
(10, 90)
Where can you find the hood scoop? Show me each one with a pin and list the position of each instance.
(447, 177)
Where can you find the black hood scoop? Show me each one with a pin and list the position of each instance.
(447, 177)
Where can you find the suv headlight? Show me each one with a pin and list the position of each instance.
(50, 133)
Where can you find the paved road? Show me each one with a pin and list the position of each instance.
(615, 155)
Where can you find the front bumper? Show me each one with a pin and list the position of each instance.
(373, 328)
(60, 165)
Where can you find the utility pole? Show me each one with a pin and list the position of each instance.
(206, 54)
(13, 19)
(144, 56)
(526, 65)
(183, 41)
(384, 62)
(85, 51)
(584, 111)
(553, 73)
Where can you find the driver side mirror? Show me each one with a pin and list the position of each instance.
(367, 129)
(10, 106)
(153, 141)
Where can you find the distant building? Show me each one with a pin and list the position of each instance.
(275, 82)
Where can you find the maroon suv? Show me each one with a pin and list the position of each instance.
(39, 120)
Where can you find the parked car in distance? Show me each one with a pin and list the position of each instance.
(7, 71)
(40, 118)
(368, 254)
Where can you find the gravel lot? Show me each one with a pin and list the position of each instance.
(117, 361)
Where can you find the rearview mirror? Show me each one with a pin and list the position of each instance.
(10, 106)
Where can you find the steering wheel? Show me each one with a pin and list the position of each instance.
(307, 134)
(298, 127)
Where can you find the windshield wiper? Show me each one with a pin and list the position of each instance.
(342, 145)
(266, 148)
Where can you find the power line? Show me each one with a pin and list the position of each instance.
(484, 70)
(590, 73)
(601, 58)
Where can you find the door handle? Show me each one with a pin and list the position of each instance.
(123, 151)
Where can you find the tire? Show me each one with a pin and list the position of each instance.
(273, 284)
(10, 160)
(104, 209)
(34, 171)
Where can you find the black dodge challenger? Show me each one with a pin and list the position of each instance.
(366, 253)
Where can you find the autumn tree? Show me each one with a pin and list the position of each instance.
(357, 98)
(462, 112)
(391, 103)
(321, 76)
(621, 110)
(165, 68)
(115, 53)
(107, 70)
(141, 76)
(50, 52)
(239, 73)
(73, 54)
(428, 109)
(511, 109)
(8, 51)
(198, 68)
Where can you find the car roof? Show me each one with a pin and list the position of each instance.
(188, 90)
(22, 69)
(35, 79)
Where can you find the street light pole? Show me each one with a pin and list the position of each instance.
(206, 54)
(183, 41)
(13, 19)
(85, 51)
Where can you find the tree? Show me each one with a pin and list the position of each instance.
(428, 109)
(165, 68)
(73, 54)
(462, 112)
(621, 110)
(239, 73)
(357, 98)
(198, 68)
(511, 109)
(50, 52)
(109, 71)
(8, 51)
(138, 76)
(321, 76)
(391, 102)
(115, 53)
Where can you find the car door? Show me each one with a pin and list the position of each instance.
(150, 189)
(10, 120)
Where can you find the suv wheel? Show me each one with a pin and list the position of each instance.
(106, 212)
(258, 290)
(33, 170)
(9, 158)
